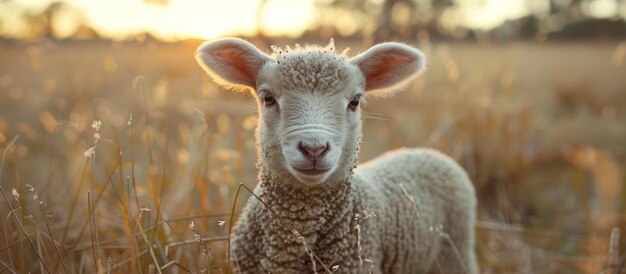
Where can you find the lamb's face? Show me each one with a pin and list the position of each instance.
(309, 108)
(309, 98)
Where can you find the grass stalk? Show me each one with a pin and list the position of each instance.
(6, 267)
(56, 248)
(614, 260)
(30, 242)
(75, 199)
(4, 154)
(150, 250)
(93, 249)
(90, 213)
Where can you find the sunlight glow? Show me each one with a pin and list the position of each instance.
(289, 17)
(207, 19)
(601, 8)
(489, 13)
(177, 20)
(181, 19)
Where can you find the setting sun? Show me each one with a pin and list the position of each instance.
(183, 19)
(174, 19)
(179, 19)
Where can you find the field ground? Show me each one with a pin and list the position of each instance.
(541, 128)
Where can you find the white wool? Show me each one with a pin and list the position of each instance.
(409, 211)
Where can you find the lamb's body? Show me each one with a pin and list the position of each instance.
(317, 207)
(442, 194)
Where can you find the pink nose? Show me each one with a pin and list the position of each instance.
(313, 152)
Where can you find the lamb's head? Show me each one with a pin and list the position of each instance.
(308, 99)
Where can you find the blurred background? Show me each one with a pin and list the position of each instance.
(118, 153)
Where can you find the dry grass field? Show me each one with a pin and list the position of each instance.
(541, 128)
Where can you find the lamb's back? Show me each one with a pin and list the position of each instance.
(419, 171)
(415, 193)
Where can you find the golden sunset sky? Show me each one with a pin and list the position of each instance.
(206, 19)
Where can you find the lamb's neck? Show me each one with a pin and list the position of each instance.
(309, 208)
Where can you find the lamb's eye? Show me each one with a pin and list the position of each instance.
(268, 100)
(353, 104)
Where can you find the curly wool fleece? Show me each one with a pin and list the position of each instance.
(409, 211)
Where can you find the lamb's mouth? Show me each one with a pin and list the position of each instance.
(312, 171)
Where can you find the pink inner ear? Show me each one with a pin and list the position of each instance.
(236, 64)
(382, 69)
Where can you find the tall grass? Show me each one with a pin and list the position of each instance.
(538, 131)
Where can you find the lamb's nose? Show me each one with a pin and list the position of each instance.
(313, 152)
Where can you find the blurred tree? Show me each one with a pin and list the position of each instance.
(49, 16)
(578, 19)
(57, 20)
(386, 28)
(406, 19)
(345, 17)
(396, 19)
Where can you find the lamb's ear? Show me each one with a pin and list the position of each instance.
(389, 67)
(231, 62)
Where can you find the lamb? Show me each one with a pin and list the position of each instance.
(409, 211)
